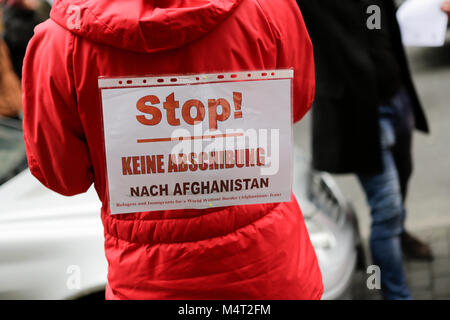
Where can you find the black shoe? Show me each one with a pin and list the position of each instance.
(415, 249)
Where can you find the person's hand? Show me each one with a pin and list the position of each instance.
(446, 7)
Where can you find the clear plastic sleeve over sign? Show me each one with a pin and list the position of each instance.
(197, 141)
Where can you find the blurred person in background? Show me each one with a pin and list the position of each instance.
(10, 91)
(20, 17)
(365, 110)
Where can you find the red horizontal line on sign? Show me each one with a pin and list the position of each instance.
(212, 136)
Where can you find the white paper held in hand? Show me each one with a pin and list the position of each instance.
(422, 23)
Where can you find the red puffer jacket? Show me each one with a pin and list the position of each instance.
(240, 252)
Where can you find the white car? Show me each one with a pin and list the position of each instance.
(51, 246)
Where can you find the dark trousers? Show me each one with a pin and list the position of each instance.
(402, 150)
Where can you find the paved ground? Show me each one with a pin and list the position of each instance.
(429, 195)
(426, 280)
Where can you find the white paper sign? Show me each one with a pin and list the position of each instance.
(422, 23)
(197, 141)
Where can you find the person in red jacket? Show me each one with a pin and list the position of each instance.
(258, 251)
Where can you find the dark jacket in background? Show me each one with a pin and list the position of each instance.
(350, 82)
(19, 23)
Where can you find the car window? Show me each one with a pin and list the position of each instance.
(12, 148)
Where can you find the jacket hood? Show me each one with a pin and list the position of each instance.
(141, 25)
